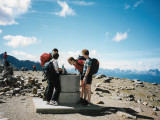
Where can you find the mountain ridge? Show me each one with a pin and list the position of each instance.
(152, 75)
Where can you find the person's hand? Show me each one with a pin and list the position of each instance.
(82, 83)
(84, 80)
(59, 69)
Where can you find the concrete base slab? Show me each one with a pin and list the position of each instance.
(42, 107)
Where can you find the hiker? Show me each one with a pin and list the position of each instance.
(44, 59)
(87, 77)
(34, 68)
(55, 50)
(54, 82)
(4, 58)
(79, 66)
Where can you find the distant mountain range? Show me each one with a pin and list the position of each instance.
(151, 76)
(18, 64)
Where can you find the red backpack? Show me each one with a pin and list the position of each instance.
(45, 57)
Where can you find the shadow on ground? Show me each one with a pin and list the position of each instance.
(114, 110)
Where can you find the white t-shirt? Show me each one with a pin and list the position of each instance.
(55, 63)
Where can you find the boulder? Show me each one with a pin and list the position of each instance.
(34, 90)
(5, 89)
(104, 91)
(155, 109)
(16, 90)
(107, 80)
(1, 78)
(139, 101)
(154, 113)
(100, 102)
(10, 70)
(31, 81)
(145, 103)
(9, 76)
(154, 84)
(4, 74)
(1, 93)
(100, 76)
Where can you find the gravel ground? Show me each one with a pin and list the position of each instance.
(18, 109)
(22, 108)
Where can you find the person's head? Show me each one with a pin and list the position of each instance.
(55, 50)
(72, 61)
(5, 52)
(85, 53)
(55, 56)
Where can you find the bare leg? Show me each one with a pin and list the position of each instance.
(85, 91)
(89, 92)
(82, 92)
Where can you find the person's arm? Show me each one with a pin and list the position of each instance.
(87, 72)
(56, 65)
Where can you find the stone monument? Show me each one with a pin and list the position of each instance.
(70, 85)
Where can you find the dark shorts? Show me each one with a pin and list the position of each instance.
(81, 76)
(88, 79)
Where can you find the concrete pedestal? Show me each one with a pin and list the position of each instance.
(69, 98)
(70, 85)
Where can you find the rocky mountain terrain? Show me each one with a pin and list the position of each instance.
(120, 98)
(18, 64)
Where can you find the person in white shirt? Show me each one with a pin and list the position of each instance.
(54, 83)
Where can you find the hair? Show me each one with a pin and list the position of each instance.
(85, 52)
(55, 56)
(55, 50)
(70, 59)
(5, 52)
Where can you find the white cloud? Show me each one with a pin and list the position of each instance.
(24, 56)
(126, 6)
(83, 3)
(137, 3)
(140, 65)
(0, 31)
(10, 9)
(120, 36)
(17, 41)
(66, 10)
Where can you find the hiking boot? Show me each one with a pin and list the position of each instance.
(82, 100)
(53, 103)
(85, 103)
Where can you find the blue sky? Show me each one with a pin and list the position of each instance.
(122, 34)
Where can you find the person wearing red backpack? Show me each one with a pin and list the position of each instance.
(79, 66)
(34, 68)
(4, 58)
(46, 57)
